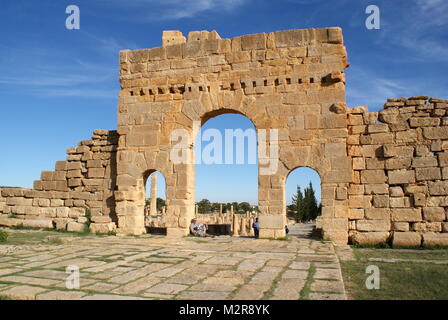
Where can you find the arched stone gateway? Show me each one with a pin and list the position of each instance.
(382, 174)
(285, 82)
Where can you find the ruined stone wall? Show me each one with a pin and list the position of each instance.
(63, 198)
(399, 191)
(286, 80)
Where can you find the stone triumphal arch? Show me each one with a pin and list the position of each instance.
(383, 174)
(290, 82)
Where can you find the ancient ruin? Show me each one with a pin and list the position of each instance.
(383, 173)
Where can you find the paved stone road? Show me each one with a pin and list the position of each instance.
(155, 267)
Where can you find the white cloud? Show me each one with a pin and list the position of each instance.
(146, 10)
(55, 74)
(432, 13)
(366, 87)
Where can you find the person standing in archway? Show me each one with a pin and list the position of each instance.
(256, 227)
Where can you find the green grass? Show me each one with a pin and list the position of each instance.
(403, 280)
(35, 236)
(280, 239)
(410, 254)
(20, 238)
(305, 292)
(3, 236)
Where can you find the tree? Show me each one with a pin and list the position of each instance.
(204, 206)
(305, 204)
(297, 202)
(215, 207)
(244, 207)
(311, 202)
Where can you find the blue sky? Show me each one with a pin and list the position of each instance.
(57, 85)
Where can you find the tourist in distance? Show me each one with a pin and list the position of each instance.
(256, 226)
(199, 229)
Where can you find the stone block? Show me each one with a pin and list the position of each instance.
(373, 176)
(436, 214)
(424, 162)
(445, 227)
(74, 165)
(253, 41)
(272, 222)
(406, 239)
(399, 202)
(96, 172)
(425, 174)
(396, 192)
(401, 176)
(102, 228)
(360, 201)
(368, 238)
(10, 222)
(373, 225)
(435, 132)
(61, 166)
(76, 227)
(41, 223)
(381, 201)
(356, 213)
(378, 188)
(377, 213)
(438, 188)
(341, 193)
(406, 214)
(435, 239)
(400, 226)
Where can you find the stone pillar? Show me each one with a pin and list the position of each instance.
(243, 228)
(153, 206)
(196, 210)
(220, 208)
(231, 209)
(235, 228)
(272, 197)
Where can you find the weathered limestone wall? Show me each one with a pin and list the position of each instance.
(62, 198)
(400, 179)
(292, 81)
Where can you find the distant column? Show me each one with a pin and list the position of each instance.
(196, 209)
(243, 227)
(153, 206)
(236, 226)
(220, 208)
(251, 230)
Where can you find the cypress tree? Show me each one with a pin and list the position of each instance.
(297, 203)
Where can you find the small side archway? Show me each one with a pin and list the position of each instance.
(155, 202)
(155, 193)
(303, 194)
